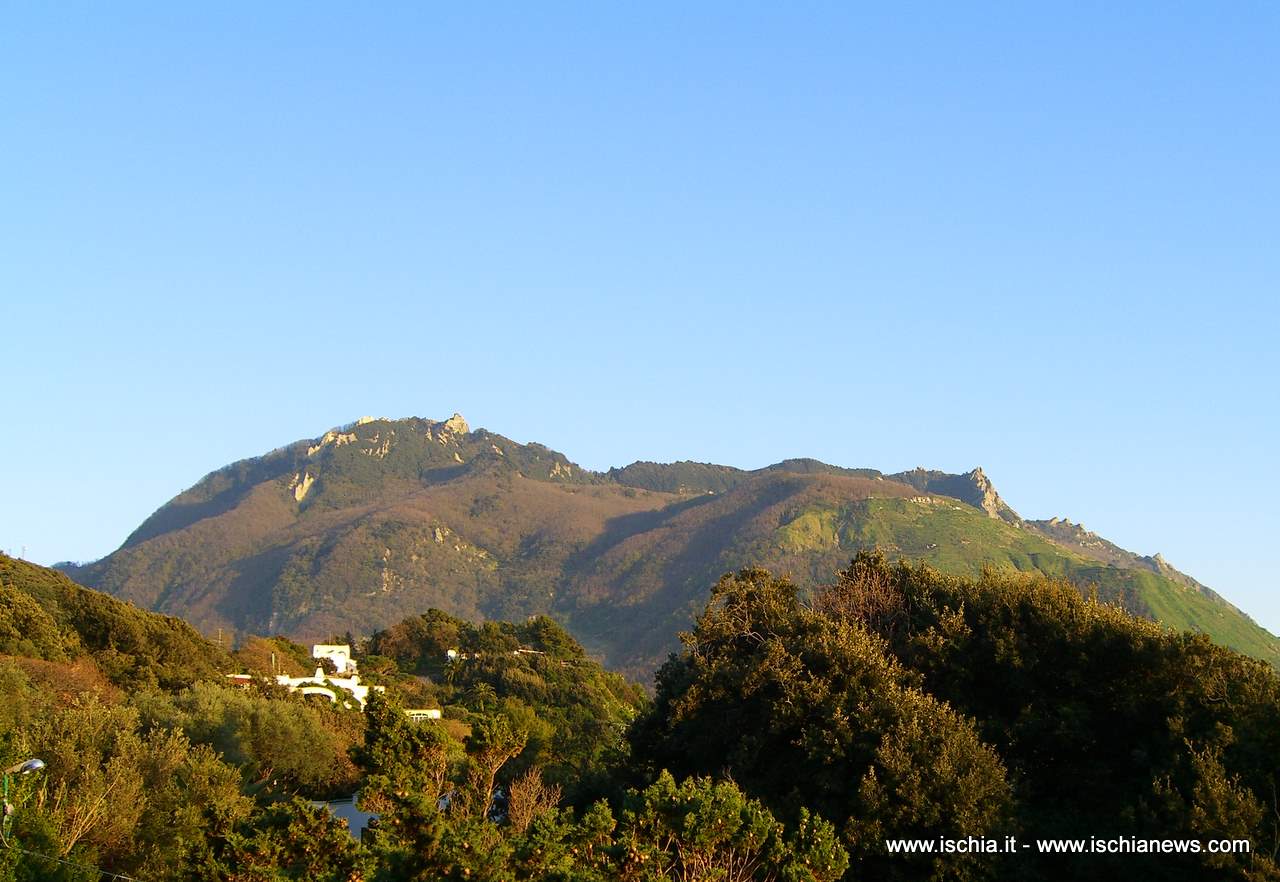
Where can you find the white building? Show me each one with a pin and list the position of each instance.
(338, 653)
(344, 679)
(320, 683)
(331, 687)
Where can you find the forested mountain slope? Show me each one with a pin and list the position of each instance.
(382, 519)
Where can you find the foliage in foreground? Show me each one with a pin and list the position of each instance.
(1109, 724)
(439, 819)
(808, 713)
(534, 674)
(788, 740)
(907, 703)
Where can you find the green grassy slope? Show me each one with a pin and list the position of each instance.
(957, 538)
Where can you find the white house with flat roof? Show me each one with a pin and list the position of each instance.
(338, 653)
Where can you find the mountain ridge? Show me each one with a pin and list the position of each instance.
(379, 518)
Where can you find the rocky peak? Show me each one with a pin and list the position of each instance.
(988, 499)
(456, 425)
(972, 487)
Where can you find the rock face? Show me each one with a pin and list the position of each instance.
(989, 500)
(456, 425)
(972, 487)
(1078, 538)
(302, 484)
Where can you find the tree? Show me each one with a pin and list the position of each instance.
(281, 744)
(528, 797)
(802, 710)
(492, 742)
(404, 763)
(290, 841)
(1107, 722)
(92, 791)
(704, 830)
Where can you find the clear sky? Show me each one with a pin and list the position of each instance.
(1041, 241)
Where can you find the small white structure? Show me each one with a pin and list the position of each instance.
(321, 684)
(338, 653)
(424, 713)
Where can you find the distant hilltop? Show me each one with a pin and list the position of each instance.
(379, 519)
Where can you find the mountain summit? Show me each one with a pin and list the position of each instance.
(380, 519)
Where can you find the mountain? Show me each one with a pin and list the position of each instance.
(382, 519)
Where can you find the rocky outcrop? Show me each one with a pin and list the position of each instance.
(989, 500)
(301, 484)
(972, 487)
(334, 437)
(456, 425)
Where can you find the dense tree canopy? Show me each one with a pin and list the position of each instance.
(572, 712)
(1109, 724)
(804, 711)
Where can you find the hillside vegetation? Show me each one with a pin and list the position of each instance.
(46, 616)
(158, 768)
(792, 737)
(573, 712)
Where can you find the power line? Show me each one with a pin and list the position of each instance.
(48, 857)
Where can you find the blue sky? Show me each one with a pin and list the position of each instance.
(1041, 241)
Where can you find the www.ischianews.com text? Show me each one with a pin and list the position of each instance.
(1092, 845)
